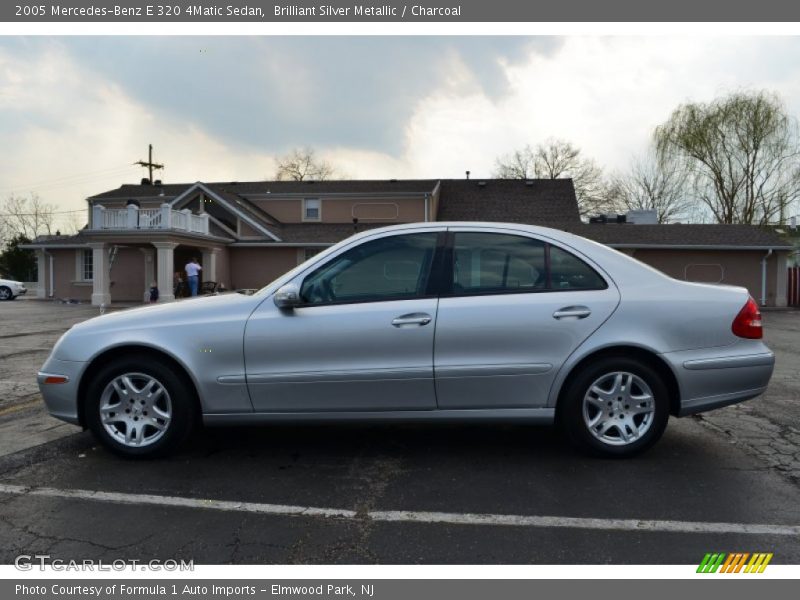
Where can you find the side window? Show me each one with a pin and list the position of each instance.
(390, 268)
(568, 272)
(485, 263)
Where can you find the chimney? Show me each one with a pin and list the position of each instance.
(467, 174)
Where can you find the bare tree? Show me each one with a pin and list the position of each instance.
(740, 154)
(519, 164)
(650, 184)
(26, 216)
(559, 159)
(301, 164)
(72, 222)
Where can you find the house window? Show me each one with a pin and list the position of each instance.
(87, 265)
(312, 209)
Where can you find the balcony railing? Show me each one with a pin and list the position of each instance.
(135, 218)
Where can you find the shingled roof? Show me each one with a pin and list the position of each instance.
(246, 188)
(546, 202)
(681, 236)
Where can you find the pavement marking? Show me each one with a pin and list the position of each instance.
(405, 516)
(21, 406)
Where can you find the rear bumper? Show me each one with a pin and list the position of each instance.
(710, 379)
(698, 405)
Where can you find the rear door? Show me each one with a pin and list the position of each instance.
(517, 307)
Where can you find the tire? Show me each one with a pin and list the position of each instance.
(615, 407)
(155, 407)
(6, 293)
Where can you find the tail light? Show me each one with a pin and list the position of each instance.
(747, 323)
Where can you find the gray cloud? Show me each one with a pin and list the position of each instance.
(275, 93)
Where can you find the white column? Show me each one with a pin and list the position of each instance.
(101, 292)
(149, 272)
(166, 216)
(210, 264)
(133, 216)
(98, 212)
(166, 269)
(41, 275)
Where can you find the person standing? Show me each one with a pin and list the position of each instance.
(193, 269)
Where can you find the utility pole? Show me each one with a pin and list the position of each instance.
(149, 164)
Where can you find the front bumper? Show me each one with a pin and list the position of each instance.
(61, 399)
(710, 379)
(21, 291)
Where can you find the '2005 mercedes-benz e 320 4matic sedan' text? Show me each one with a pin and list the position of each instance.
(433, 321)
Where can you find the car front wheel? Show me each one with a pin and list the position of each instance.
(615, 407)
(139, 407)
(5, 293)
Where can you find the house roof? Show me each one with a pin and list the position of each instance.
(681, 236)
(546, 202)
(245, 188)
(54, 241)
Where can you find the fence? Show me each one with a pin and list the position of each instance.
(793, 286)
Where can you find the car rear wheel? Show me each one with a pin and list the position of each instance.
(139, 407)
(5, 293)
(615, 407)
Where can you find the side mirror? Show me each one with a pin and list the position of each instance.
(287, 296)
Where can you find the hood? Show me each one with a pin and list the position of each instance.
(190, 310)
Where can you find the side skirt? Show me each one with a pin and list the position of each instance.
(542, 416)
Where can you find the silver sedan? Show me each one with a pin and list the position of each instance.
(435, 321)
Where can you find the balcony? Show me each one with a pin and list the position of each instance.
(133, 218)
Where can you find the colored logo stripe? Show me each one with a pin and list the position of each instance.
(711, 563)
(735, 562)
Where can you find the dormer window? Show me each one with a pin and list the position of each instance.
(312, 209)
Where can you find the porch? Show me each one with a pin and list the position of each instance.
(123, 269)
(133, 218)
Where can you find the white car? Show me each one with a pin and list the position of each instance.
(10, 289)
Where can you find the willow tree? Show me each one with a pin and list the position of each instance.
(740, 154)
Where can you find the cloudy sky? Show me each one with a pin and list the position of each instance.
(75, 112)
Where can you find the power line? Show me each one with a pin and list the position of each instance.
(43, 213)
(112, 171)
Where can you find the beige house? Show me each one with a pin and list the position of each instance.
(248, 233)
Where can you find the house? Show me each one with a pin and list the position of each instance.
(248, 233)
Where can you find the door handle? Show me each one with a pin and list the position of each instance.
(577, 312)
(412, 319)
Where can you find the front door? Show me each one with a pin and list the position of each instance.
(517, 308)
(361, 341)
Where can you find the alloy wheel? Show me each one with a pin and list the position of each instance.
(135, 409)
(618, 408)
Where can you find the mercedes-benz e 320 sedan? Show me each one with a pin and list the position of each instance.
(434, 321)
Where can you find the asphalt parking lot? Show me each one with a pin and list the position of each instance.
(728, 481)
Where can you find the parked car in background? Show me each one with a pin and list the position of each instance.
(432, 321)
(10, 289)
